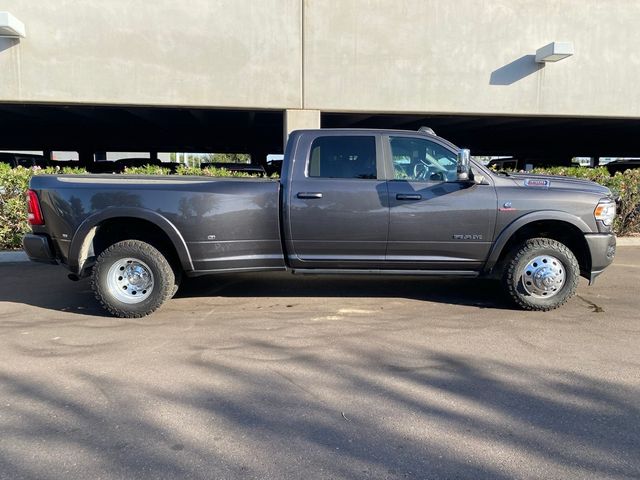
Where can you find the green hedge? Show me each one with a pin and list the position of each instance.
(13, 207)
(14, 182)
(184, 170)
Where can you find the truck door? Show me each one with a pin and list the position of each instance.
(337, 210)
(435, 221)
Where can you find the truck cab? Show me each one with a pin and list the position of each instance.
(393, 201)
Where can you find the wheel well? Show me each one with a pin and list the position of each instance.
(563, 232)
(114, 230)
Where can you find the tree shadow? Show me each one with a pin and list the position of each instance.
(376, 414)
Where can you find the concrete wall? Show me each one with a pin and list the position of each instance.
(235, 53)
(422, 56)
(466, 56)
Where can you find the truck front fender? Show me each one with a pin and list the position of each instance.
(86, 231)
(538, 216)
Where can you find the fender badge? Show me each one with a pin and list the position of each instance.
(507, 207)
(537, 182)
(467, 236)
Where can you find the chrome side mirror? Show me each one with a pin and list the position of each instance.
(464, 159)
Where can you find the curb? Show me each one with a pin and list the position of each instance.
(628, 241)
(19, 256)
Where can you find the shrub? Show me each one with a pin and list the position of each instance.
(211, 172)
(13, 207)
(627, 187)
(147, 170)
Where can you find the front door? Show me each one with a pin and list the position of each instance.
(435, 221)
(337, 203)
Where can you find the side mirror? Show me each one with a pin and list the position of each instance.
(464, 158)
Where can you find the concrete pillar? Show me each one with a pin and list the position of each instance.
(300, 120)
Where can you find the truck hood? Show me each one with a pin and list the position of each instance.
(536, 181)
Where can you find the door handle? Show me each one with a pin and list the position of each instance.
(309, 195)
(408, 196)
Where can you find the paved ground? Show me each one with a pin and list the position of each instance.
(277, 377)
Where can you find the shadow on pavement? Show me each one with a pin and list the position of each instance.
(47, 286)
(437, 416)
(471, 292)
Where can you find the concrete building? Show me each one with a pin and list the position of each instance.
(233, 75)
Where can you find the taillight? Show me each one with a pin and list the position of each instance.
(33, 205)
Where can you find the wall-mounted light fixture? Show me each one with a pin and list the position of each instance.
(554, 51)
(11, 27)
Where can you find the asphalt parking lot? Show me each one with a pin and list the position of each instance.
(276, 376)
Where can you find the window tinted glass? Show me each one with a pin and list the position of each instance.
(422, 160)
(343, 157)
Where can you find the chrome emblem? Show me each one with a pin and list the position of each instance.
(473, 236)
(537, 182)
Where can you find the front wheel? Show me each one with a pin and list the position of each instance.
(132, 279)
(541, 274)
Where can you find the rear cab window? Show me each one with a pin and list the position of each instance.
(347, 157)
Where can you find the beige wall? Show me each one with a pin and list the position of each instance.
(423, 56)
(439, 55)
(232, 53)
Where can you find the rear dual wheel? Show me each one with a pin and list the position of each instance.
(132, 279)
(541, 274)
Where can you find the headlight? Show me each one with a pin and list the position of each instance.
(605, 212)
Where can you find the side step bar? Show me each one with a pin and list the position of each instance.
(425, 273)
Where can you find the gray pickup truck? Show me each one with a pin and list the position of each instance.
(349, 201)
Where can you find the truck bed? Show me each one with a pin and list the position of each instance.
(225, 224)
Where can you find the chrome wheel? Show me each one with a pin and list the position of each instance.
(130, 280)
(543, 277)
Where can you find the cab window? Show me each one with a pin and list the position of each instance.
(419, 159)
(343, 157)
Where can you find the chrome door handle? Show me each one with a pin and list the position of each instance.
(309, 195)
(408, 196)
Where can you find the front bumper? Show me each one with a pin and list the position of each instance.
(38, 248)
(602, 248)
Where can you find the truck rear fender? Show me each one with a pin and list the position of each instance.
(563, 227)
(83, 238)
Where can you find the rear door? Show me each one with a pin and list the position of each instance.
(338, 214)
(436, 222)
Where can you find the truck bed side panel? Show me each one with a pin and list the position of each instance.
(226, 224)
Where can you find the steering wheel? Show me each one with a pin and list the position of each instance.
(421, 171)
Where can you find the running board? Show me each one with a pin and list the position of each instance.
(425, 273)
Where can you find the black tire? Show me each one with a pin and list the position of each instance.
(162, 287)
(517, 274)
(176, 282)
